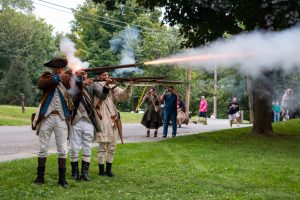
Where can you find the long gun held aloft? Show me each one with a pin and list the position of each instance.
(107, 68)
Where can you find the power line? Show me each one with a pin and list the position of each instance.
(83, 12)
(81, 15)
(125, 23)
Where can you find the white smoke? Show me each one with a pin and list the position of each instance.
(67, 47)
(253, 52)
(124, 43)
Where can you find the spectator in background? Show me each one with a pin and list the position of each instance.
(169, 97)
(276, 111)
(202, 111)
(151, 118)
(287, 104)
(233, 111)
(182, 117)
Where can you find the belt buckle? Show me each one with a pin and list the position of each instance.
(55, 112)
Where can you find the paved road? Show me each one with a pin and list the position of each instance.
(21, 142)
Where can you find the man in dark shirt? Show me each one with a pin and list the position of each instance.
(233, 111)
(169, 98)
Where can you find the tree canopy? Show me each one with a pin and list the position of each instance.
(24, 39)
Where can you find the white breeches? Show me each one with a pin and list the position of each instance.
(53, 123)
(106, 149)
(82, 136)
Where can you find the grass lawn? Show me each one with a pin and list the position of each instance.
(229, 164)
(13, 116)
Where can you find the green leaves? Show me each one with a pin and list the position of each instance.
(27, 41)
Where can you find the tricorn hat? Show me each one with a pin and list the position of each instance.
(56, 63)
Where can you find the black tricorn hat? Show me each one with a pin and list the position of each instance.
(56, 63)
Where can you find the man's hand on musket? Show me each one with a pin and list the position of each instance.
(109, 81)
(87, 82)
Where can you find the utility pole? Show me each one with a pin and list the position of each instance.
(22, 100)
(188, 89)
(215, 90)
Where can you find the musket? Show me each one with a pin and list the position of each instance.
(159, 82)
(169, 81)
(107, 68)
(135, 79)
(156, 82)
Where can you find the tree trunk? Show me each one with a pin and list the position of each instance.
(250, 98)
(263, 94)
(188, 89)
(215, 90)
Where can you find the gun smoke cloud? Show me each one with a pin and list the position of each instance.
(67, 47)
(124, 43)
(252, 52)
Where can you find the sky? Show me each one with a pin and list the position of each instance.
(59, 20)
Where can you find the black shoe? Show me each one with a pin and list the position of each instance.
(85, 171)
(108, 170)
(164, 136)
(40, 175)
(75, 171)
(101, 170)
(62, 178)
(148, 133)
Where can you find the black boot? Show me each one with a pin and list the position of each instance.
(148, 133)
(40, 171)
(62, 173)
(40, 175)
(75, 171)
(108, 170)
(85, 171)
(62, 178)
(155, 133)
(101, 170)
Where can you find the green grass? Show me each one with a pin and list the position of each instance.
(127, 117)
(13, 116)
(229, 164)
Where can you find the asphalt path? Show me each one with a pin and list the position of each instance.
(21, 142)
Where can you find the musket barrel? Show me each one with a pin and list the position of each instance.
(105, 68)
(139, 79)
